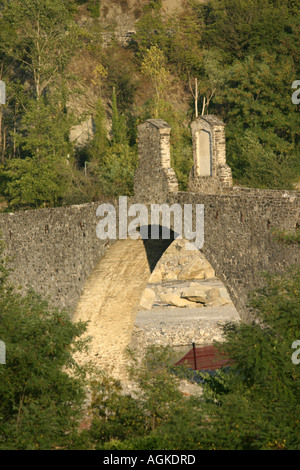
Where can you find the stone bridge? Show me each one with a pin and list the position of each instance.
(57, 252)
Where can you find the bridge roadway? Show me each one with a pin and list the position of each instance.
(109, 303)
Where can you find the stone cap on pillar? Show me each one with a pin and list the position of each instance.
(159, 123)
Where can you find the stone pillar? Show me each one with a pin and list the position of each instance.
(154, 178)
(210, 172)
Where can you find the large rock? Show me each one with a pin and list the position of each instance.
(172, 275)
(219, 302)
(156, 276)
(224, 293)
(147, 299)
(198, 268)
(176, 300)
(198, 293)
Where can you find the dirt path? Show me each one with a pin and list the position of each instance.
(110, 301)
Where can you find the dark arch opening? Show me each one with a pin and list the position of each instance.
(155, 248)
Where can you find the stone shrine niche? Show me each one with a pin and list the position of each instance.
(203, 153)
(210, 172)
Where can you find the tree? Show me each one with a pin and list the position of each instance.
(256, 404)
(115, 173)
(120, 419)
(154, 68)
(99, 143)
(185, 34)
(100, 74)
(212, 78)
(246, 25)
(41, 175)
(37, 35)
(37, 40)
(42, 389)
(118, 122)
(151, 30)
(262, 122)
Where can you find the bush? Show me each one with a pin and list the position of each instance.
(41, 387)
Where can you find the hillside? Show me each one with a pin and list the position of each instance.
(89, 77)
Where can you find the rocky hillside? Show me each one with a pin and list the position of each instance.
(121, 15)
(124, 13)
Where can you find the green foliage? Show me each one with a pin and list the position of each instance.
(93, 7)
(288, 238)
(262, 122)
(30, 183)
(111, 163)
(37, 40)
(151, 30)
(99, 143)
(116, 170)
(246, 25)
(154, 68)
(264, 168)
(259, 406)
(45, 130)
(185, 49)
(38, 35)
(41, 387)
(118, 122)
(120, 420)
(154, 380)
(115, 415)
(253, 405)
(42, 175)
(122, 75)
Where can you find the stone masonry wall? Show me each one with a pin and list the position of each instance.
(53, 250)
(238, 239)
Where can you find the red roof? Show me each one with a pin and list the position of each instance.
(203, 358)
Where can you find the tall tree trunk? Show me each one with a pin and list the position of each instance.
(203, 106)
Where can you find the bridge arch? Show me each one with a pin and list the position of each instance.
(111, 296)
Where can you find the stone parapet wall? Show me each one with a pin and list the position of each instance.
(53, 250)
(210, 184)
